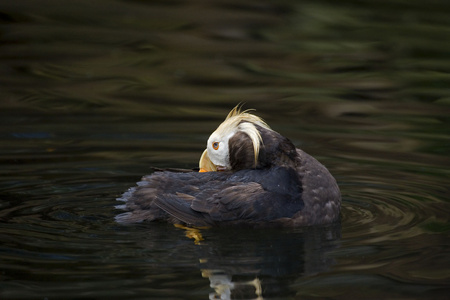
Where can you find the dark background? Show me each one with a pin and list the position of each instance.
(94, 92)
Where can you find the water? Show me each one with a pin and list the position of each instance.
(93, 93)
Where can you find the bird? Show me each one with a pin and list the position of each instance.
(249, 176)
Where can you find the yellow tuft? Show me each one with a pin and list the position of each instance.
(243, 121)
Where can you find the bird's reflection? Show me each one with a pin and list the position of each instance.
(261, 264)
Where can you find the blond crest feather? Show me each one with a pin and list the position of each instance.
(243, 121)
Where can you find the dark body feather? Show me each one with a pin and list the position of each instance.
(287, 187)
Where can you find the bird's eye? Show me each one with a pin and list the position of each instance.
(215, 145)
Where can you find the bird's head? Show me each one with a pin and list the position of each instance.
(235, 143)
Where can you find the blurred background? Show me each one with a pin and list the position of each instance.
(94, 93)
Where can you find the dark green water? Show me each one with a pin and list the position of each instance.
(93, 93)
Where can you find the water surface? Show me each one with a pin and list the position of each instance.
(94, 93)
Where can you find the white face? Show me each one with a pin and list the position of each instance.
(218, 150)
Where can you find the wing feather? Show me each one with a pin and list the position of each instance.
(215, 198)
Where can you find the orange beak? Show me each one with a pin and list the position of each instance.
(205, 163)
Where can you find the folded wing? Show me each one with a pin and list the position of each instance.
(215, 198)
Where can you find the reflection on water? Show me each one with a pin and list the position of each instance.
(246, 264)
(93, 93)
(249, 264)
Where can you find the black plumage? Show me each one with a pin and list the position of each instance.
(283, 187)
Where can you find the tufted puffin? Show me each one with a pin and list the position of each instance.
(249, 175)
